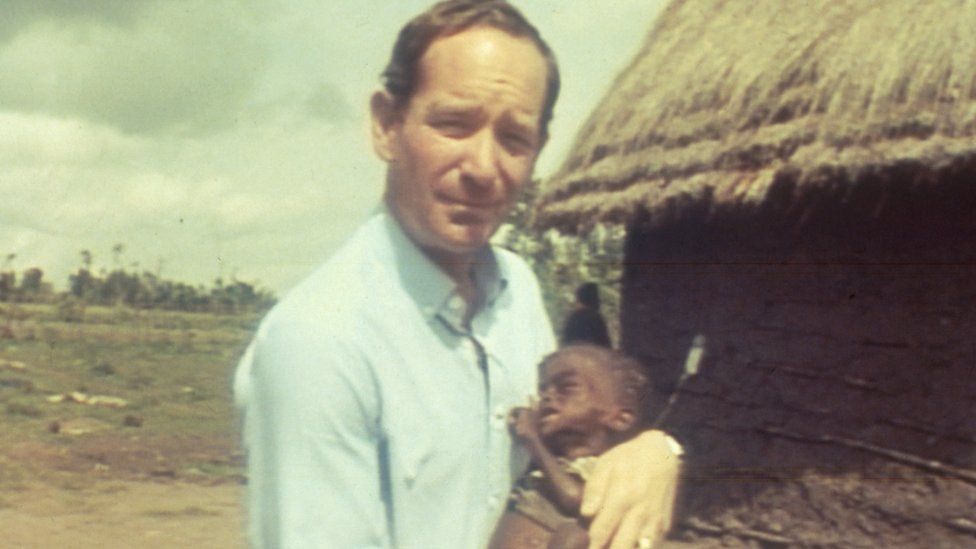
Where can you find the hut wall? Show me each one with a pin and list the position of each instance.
(836, 401)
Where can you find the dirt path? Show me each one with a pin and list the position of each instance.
(123, 514)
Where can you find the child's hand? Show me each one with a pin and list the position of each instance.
(523, 423)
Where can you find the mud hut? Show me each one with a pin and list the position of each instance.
(798, 182)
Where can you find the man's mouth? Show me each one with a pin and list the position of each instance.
(472, 213)
(469, 216)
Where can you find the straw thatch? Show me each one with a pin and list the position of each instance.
(733, 106)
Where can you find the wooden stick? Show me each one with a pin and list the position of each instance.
(930, 465)
(700, 525)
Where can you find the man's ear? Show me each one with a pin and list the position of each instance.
(384, 123)
(621, 420)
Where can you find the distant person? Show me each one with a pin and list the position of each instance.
(586, 324)
(590, 399)
(375, 393)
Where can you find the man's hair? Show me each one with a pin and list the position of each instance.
(451, 17)
(630, 381)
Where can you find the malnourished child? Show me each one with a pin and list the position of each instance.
(589, 401)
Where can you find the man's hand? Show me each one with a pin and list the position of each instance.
(630, 495)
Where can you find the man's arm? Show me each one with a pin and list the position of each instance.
(631, 494)
(312, 442)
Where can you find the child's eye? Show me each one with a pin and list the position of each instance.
(568, 387)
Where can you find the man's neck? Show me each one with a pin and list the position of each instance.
(459, 268)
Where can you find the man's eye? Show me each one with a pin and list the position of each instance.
(517, 142)
(450, 126)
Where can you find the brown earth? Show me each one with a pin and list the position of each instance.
(106, 491)
(123, 514)
(151, 459)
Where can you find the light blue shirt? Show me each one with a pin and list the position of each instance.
(373, 417)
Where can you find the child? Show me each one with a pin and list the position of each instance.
(589, 401)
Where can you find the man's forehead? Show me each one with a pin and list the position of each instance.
(484, 46)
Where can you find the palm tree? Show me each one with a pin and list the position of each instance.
(117, 252)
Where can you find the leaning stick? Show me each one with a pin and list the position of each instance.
(930, 465)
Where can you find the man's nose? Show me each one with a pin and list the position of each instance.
(480, 165)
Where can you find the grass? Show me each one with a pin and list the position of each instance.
(173, 369)
(24, 409)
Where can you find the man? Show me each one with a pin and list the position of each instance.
(377, 391)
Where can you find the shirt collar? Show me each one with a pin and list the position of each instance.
(430, 287)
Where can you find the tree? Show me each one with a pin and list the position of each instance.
(117, 252)
(562, 262)
(31, 281)
(8, 279)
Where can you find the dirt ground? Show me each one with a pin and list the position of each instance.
(106, 490)
(111, 498)
(123, 514)
(154, 463)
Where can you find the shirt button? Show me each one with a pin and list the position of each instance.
(498, 417)
(493, 502)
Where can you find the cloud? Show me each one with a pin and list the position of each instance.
(328, 103)
(269, 200)
(167, 68)
(44, 141)
(19, 15)
(222, 136)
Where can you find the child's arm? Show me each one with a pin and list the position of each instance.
(563, 488)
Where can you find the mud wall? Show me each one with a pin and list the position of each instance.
(837, 399)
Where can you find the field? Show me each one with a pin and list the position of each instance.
(118, 430)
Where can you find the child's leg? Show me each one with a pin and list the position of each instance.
(517, 531)
(569, 536)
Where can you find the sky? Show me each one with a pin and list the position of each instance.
(226, 138)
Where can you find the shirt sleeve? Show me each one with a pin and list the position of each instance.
(313, 444)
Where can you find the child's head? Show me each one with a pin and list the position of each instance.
(591, 398)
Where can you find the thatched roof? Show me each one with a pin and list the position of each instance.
(733, 104)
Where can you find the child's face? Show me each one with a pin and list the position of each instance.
(576, 395)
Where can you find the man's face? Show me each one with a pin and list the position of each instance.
(576, 396)
(465, 143)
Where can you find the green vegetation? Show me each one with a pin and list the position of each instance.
(119, 286)
(563, 262)
(126, 393)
